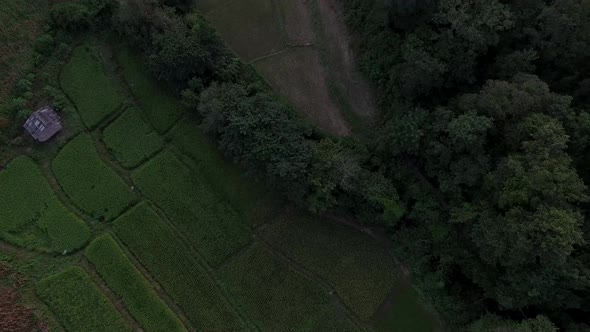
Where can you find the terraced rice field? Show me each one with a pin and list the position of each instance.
(84, 79)
(78, 303)
(192, 243)
(131, 139)
(89, 182)
(31, 215)
(22, 22)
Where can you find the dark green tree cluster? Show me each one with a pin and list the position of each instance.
(485, 135)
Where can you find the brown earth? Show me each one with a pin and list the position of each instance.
(14, 316)
(307, 59)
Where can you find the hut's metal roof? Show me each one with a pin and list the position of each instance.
(43, 124)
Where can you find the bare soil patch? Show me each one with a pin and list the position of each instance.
(341, 61)
(13, 315)
(298, 75)
(250, 27)
(297, 21)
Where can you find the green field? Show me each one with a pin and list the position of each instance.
(78, 303)
(131, 139)
(360, 270)
(31, 215)
(222, 177)
(128, 283)
(90, 183)
(95, 94)
(161, 107)
(273, 294)
(211, 226)
(172, 264)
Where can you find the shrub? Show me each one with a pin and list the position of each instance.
(70, 16)
(78, 303)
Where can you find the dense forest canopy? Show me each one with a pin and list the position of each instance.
(477, 168)
(485, 105)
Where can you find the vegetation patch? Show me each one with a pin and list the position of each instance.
(160, 105)
(160, 250)
(211, 225)
(90, 184)
(361, 271)
(95, 94)
(131, 139)
(130, 285)
(21, 23)
(275, 296)
(78, 303)
(31, 215)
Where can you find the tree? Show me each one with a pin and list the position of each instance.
(260, 133)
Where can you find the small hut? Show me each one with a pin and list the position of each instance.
(43, 124)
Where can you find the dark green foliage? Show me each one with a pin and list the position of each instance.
(258, 132)
(78, 303)
(491, 181)
(491, 323)
(70, 16)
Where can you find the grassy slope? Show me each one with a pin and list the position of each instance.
(131, 139)
(171, 263)
(85, 81)
(129, 284)
(78, 302)
(31, 215)
(90, 183)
